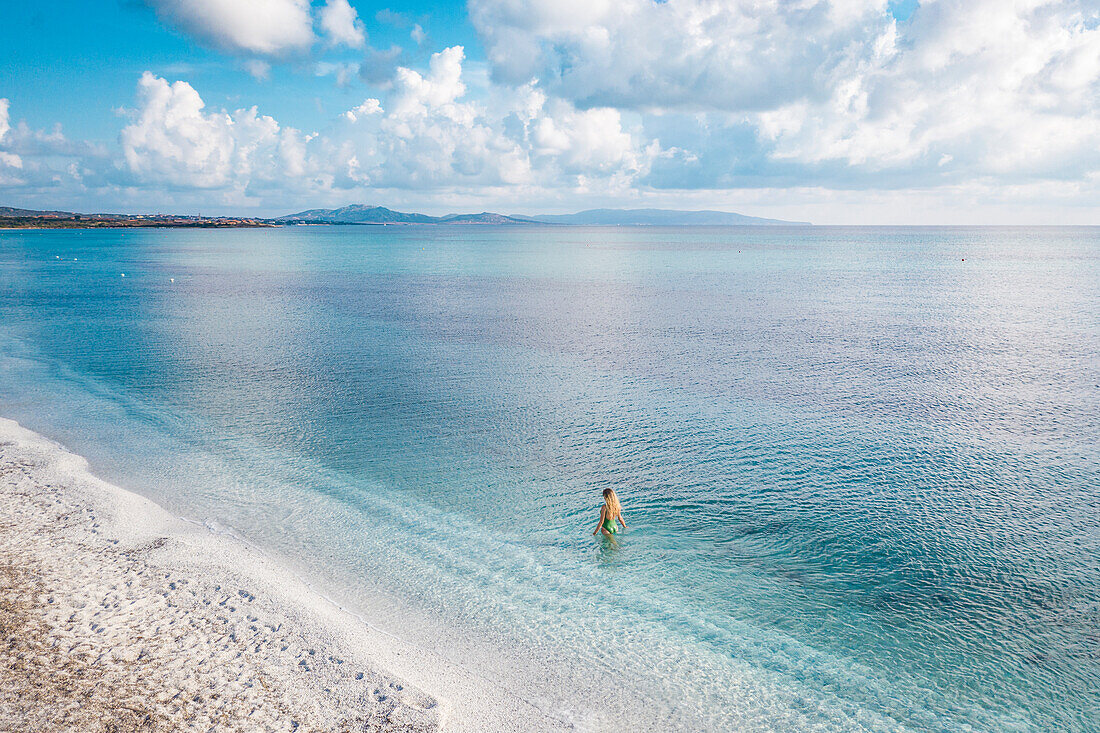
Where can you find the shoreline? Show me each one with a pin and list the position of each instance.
(130, 222)
(114, 612)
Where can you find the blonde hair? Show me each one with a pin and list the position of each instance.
(611, 502)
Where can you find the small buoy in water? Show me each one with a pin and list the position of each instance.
(124, 274)
(964, 259)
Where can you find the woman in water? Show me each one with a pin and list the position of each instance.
(609, 512)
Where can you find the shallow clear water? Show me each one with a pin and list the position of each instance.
(861, 466)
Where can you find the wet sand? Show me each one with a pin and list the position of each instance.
(116, 616)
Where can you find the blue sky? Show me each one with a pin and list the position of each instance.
(837, 111)
(77, 62)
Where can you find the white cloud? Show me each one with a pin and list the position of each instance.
(258, 69)
(367, 108)
(441, 86)
(5, 125)
(431, 135)
(173, 141)
(832, 90)
(28, 156)
(585, 143)
(7, 160)
(427, 135)
(696, 54)
(1008, 90)
(341, 24)
(268, 27)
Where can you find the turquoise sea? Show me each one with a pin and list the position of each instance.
(861, 465)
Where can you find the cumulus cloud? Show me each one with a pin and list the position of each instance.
(584, 144)
(426, 135)
(7, 160)
(172, 140)
(367, 108)
(267, 27)
(5, 124)
(341, 24)
(30, 158)
(970, 87)
(681, 53)
(429, 134)
(833, 91)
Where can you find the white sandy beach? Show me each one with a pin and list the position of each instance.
(115, 615)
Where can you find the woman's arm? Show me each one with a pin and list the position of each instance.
(622, 521)
(599, 525)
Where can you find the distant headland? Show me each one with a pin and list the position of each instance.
(13, 218)
(30, 219)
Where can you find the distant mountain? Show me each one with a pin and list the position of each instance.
(658, 217)
(360, 214)
(484, 217)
